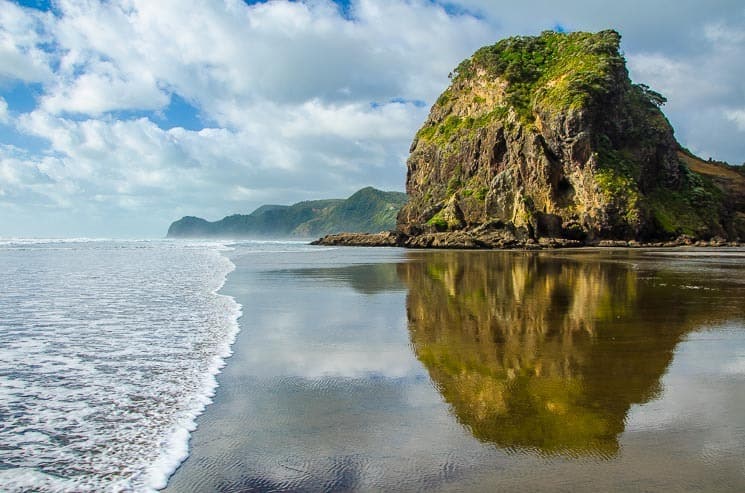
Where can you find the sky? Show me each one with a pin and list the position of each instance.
(119, 117)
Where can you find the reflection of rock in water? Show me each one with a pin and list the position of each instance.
(363, 278)
(538, 352)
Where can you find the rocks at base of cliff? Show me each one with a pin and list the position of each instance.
(504, 239)
(384, 238)
(454, 239)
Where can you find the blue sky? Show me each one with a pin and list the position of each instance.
(119, 117)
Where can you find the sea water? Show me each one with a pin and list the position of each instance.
(108, 352)
(369, 369)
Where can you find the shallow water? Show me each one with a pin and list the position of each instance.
(383, 369)
(108, 351)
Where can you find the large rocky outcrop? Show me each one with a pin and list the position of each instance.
(546, 137)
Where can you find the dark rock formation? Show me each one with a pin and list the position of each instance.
(384, 238)
(499, 238)
(546, 139)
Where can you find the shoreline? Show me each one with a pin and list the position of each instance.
(176, 447)
(462, 240)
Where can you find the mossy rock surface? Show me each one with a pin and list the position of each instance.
(551, 126)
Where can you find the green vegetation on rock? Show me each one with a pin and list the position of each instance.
(561, 70)
(438, 222)
(693, 210)
(548, 135)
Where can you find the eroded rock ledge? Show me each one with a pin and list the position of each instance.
(495, 239)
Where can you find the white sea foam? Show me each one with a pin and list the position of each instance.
(108, 353)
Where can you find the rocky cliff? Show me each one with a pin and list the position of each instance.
(367, 210)
(547, 137)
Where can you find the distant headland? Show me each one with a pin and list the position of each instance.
(367, 210)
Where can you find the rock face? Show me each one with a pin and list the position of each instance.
(367, 210)
(384, 238)
(546, 137)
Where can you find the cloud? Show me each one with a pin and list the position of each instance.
(352, 121)
(679, 80)
(721, 32)
(105, 89)
(298, 100)
(738, 117)
(21, 37)
(705, 87)
(304, 102)
(284, 52)
(25, 179)
(4, 118)
(129, 158)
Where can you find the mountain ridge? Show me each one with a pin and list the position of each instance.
(366, 211)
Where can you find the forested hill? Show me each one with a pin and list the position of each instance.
(367, 211)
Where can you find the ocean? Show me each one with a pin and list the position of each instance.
(197, 366)
(108, 352)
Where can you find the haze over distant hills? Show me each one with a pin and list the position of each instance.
(367, 211)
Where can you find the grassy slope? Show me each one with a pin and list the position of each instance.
(725, 177)
(728, 179)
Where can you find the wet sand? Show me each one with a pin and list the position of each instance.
(383, 369)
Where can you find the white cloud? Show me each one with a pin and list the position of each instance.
(21, 57)
(738, 117)
(26, 179)
(285, 52)
(105, 89)
(354, 121)
(4, 118)
(705, 87)
(720, 32)
(679, 80)
(115, 157)
(299, 99)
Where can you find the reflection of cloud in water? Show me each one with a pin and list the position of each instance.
(540, 353)
(360, 336)
(737, 367)
(349, 362)
(712, 355)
